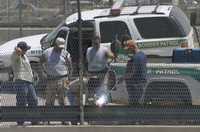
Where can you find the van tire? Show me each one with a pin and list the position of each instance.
(167, 94)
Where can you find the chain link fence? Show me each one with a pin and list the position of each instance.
(124, 92)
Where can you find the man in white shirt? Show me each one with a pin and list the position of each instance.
(97, 58)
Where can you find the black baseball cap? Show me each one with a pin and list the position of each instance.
(23, 45)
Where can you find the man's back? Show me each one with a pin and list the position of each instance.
(136, 67)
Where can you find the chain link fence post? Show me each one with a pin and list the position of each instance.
(80, 63)
(20, 5)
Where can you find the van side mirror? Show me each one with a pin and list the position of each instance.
(193, 18)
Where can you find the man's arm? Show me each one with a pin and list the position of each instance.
(43, 62)
(68, 62)
(16, 54)
(15, 58)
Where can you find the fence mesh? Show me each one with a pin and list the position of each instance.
(127, 91)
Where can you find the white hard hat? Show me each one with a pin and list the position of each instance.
(60, 42)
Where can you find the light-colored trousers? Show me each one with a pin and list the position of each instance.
(56, 88)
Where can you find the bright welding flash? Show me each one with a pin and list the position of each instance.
(101, 101)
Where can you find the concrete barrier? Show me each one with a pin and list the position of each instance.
(103, 129)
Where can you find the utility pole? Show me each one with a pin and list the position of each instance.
(35, 2)
(82, 94)
(20, 6)
(68, 7)
(8, 18)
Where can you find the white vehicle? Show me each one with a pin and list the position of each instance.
(158, 29)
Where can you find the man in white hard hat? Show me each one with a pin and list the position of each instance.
(58, 68)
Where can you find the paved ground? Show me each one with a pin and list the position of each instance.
(134, 128)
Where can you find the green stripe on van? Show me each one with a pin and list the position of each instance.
(159, 44)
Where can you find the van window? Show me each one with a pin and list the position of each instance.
(49, 40)
(157, 27)
(112, 29)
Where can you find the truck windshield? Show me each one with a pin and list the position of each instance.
(157, 27)
(46, 40)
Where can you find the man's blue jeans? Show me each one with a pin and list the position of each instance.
(135, 91)
(26, 93)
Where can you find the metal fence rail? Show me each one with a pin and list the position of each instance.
(115, 115)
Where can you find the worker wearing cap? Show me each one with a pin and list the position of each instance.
(23, 77)
(136, 72)
(58, 68)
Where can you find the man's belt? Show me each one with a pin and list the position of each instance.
(56, 77)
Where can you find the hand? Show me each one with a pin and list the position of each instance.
(18, 51)
(66, 83)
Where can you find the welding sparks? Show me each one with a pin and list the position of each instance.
(102, 100)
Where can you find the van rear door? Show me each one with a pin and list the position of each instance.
(159, 35)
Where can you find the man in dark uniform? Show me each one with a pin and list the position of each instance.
(136, 72)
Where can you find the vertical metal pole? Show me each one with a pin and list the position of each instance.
(35, 3)
(20, 18)
(64, 7)
(68, 6)
(8, 18)
(80, 64)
